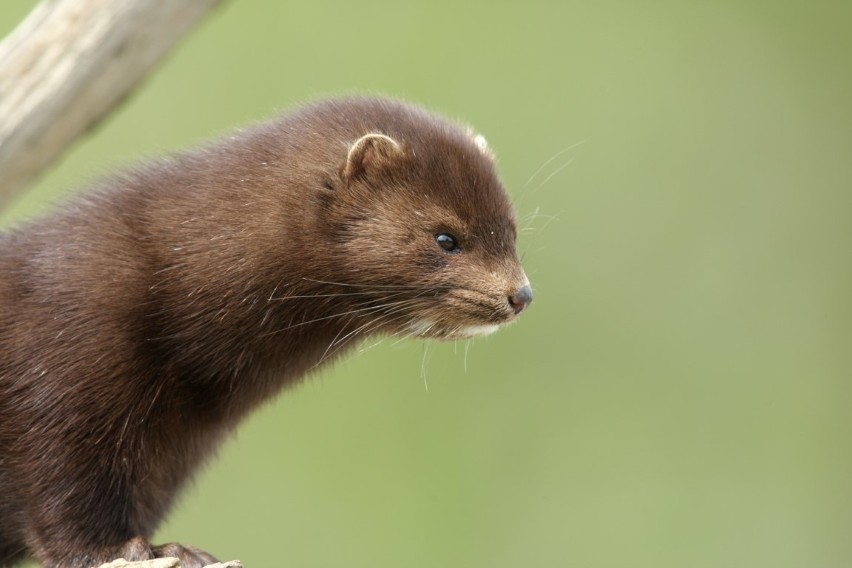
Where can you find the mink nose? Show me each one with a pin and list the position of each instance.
(521, 299)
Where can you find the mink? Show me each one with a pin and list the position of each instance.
(142, 320)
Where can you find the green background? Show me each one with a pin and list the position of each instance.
(678, 394)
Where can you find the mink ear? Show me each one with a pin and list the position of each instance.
(481, 143)
(369, 154)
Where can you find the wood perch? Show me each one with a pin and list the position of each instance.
(68, 64)
(164, 563)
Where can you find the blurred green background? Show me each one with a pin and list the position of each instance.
(679, 393)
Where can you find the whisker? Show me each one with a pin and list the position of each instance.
(391, 336)
(529, 219)
(423, 364)
(396, 307)
(537, 215)
(336, 344)
(350, 312)
(550, 220)
(367, 348)
(392, 286)
(306, 296)
(556, 171)
(382, 298)
(407, 334)
(384, 311)
(381, 320)
(391, 308)
(553, 157)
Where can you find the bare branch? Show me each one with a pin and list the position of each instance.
(68, 64)
(156, 563)
(165, 563)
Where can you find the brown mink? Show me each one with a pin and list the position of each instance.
(140, 323)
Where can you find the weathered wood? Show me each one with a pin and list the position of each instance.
(68, 64)
(156, 563)
(164, 563)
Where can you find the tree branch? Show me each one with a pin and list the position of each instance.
(164, 563)
(68, 64)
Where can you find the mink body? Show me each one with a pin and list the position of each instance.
(140, 323)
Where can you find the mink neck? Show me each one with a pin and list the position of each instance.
(257, 333)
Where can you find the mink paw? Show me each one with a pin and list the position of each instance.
(189, 556)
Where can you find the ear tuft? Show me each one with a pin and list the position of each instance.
(370, 153)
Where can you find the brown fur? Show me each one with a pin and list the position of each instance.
(142, 322)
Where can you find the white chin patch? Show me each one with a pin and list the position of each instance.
(420, 327)
(470, 331)
(426, 328)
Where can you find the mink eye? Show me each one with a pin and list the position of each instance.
(447, 242)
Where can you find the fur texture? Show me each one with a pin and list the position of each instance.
(143, 321)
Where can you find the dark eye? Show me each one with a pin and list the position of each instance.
(447, 242)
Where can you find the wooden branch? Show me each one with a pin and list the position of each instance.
(165, 563)
(68, 64)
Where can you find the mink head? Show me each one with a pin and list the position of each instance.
(425, 231)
